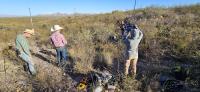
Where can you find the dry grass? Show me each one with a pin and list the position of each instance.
(169, 34)
(13, 78)
(131, 85)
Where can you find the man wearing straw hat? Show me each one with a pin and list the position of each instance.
(23, 50)
(59, 42)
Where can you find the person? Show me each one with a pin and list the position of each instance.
(23, 50)
(132, 37)
(58, 41)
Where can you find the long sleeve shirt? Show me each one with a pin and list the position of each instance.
(136, 40)
(22, 44)
(132, 43)
(58, 40)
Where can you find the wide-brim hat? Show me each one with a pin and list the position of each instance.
(30, 31)
(56, 28)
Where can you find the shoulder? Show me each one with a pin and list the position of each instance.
(61, 35)
(52, 35)
(19, 36)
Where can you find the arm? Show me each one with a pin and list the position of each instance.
(22, 45)
(127, 35)
(17, 44)
(17, 47)
(51, 43)
(141, 35)
(139, 32)
(64, 40)
(26, 48)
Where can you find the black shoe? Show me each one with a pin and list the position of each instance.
(33, 75)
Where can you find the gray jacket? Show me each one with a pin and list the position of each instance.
(132, 43)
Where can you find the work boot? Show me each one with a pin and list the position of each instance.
(63, 64)
(59, 64)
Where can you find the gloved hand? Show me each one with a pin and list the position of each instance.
(17, 52)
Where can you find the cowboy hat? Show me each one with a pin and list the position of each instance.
(30, 31)
(56, 28)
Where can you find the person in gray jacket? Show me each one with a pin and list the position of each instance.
(132, 38)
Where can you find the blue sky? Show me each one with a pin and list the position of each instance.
(20, 7)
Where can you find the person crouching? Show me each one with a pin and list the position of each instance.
(23, 49)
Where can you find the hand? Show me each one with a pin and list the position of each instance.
(136, 26)
(31, 59)
(18, 52)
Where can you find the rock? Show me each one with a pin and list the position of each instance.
(98, 89)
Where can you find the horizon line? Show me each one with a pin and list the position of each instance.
(90, 13)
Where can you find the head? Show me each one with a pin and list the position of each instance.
(28, 33)
(56, 28)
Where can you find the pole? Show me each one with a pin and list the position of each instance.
(31, 17)
(134, 9)
(31, 20)
(135, 4)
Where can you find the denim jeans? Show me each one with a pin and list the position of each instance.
(30, 63)
(61, 55)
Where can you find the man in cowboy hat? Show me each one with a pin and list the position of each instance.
(23, 50)
(59, 42)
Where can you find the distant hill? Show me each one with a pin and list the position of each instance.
(5, 15)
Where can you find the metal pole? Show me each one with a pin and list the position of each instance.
(4, 67)
(135, 4)
(31, 17)
(134, 8)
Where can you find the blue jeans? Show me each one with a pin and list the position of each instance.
(27, 59)
(61, 54)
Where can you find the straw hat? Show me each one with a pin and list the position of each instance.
(56, 28)
(30, 31)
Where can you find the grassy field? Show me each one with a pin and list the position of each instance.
(170, 35)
